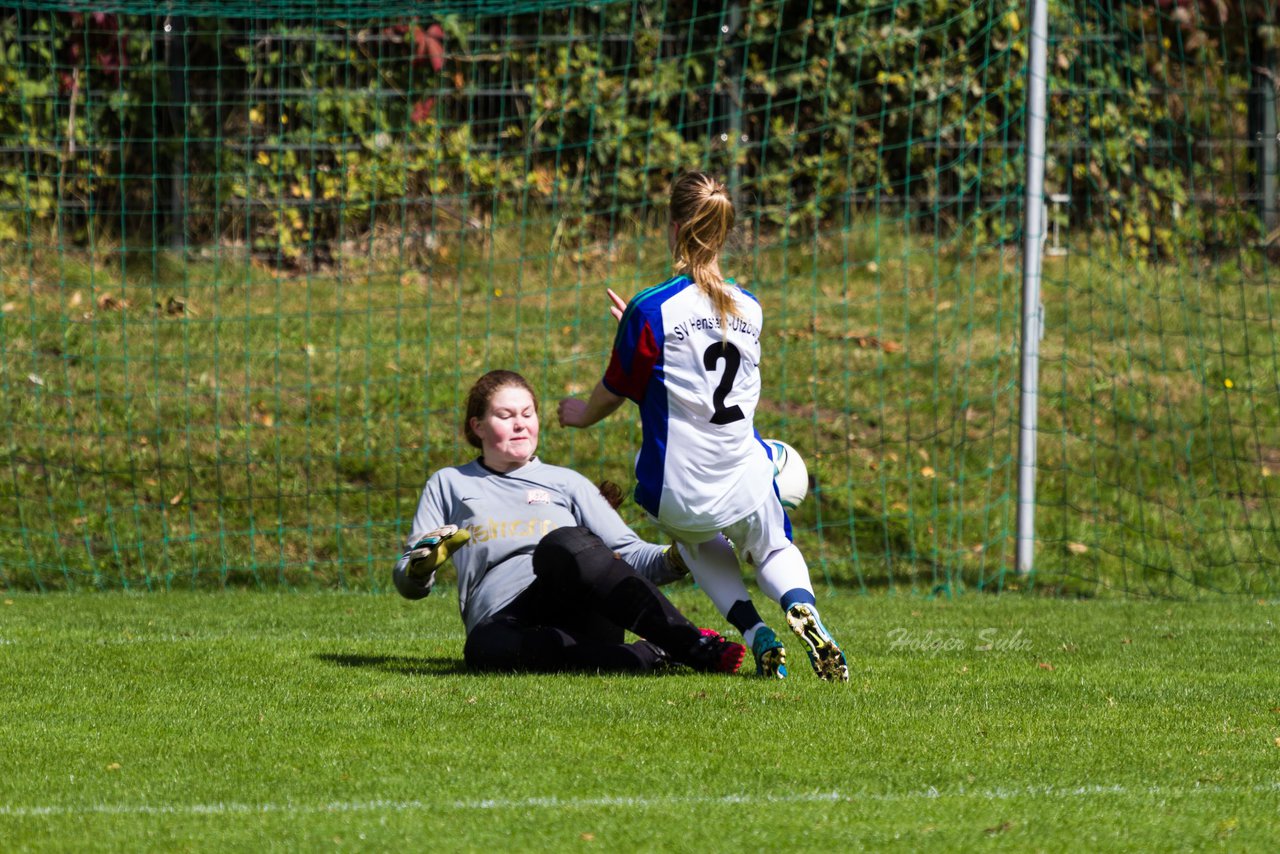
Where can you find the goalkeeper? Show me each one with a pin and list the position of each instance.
(549, 576)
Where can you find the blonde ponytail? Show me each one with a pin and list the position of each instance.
(702, 208)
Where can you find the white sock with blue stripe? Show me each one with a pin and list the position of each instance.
(784, 578)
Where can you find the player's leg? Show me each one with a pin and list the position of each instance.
(506, 642)
(714, 565)
(576, 569)
(783, 576)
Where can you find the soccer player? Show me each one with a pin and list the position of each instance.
(549, 576)
(687, 352)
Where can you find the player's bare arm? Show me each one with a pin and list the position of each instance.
(575, 412)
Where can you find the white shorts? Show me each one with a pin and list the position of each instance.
(754, 538)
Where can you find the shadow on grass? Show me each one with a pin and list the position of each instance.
(405, 665)
(422, 666)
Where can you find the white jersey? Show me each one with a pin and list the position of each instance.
(702, 466)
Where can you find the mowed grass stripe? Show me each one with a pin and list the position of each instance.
(305, 718)
(641, 801)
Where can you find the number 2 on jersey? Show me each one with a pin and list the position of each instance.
(732, 361)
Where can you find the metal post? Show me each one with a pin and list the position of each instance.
(175, 49)
(734, 68)
(1263, 113)
(1032, 311)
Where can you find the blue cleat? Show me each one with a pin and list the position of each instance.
(770, 654)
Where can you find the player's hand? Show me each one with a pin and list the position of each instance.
(617, 304)
(430, 551)
(572, 412)
(675, 560)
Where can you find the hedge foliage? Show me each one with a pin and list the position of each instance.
(297, 137)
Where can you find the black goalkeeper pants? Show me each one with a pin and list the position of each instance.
(574, 614)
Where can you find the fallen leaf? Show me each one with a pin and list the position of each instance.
(35, 379)
(76, 299)
(587, 837)
(9, 307)
(999, 828)
(114, 766)
(872, 342)
(1077, 548)
(928, 471)
(107, 302)
(175, 500)
(1044, 665)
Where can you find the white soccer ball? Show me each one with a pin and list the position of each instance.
(789, 473)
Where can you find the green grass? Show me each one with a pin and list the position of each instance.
(277, 429)
(286, 721)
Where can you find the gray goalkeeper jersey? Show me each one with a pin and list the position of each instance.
(507, 514)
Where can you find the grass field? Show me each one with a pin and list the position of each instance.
(170, 422)
(343, 721)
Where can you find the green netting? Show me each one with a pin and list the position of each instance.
(319, 10)
(253, 255)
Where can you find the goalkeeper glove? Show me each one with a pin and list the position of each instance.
(430, 551)
(675, 561)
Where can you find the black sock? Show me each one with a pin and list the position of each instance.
(743, 615)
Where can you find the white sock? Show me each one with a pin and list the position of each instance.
(749, 636)
(715, 567)
(782, 571)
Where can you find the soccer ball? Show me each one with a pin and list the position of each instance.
(790, 474)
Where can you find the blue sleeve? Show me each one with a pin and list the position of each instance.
(636, 348)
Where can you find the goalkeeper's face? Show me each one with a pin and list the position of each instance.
(509, 429)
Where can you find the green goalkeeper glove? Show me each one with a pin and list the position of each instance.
(431, 551)
(675, 561)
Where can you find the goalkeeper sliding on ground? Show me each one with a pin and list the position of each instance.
(549, 576)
